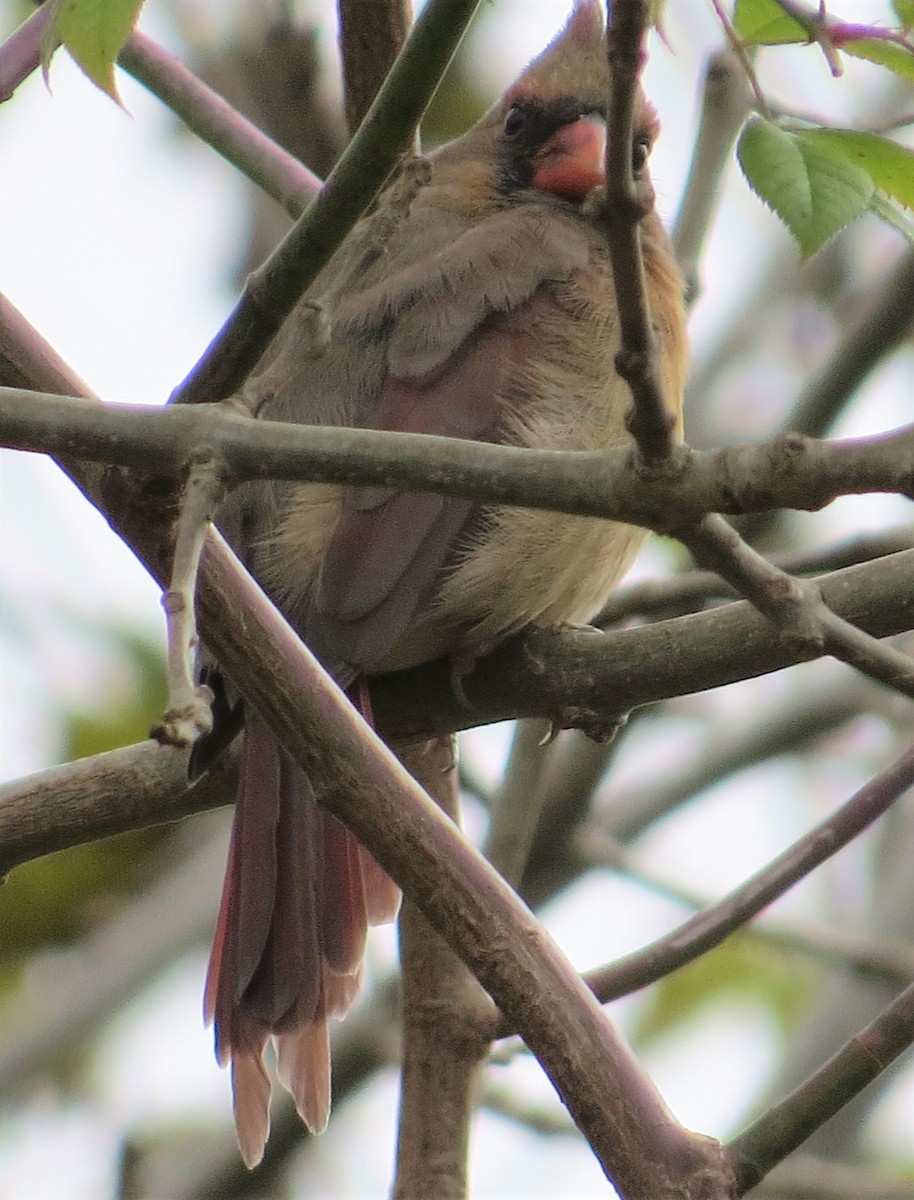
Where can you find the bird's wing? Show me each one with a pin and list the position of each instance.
(456, 332)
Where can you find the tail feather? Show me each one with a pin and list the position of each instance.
(382, 896)
(251, 1091)
(340, 991)
(345, 920)
(290, 937)
(285, 989)
(257, 815)
(303, 1068)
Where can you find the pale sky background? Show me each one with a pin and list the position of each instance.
(114, 240)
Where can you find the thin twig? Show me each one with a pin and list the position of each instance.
(219, 125)
(794, 606)
(21, 52)
(710, 927)
(188, 715)
(808, 1177)
(628, 201)
(693, 590)
(739, 49)
(878, 958)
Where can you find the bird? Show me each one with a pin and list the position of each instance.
(475, 301)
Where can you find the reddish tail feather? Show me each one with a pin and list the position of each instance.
(298, 897)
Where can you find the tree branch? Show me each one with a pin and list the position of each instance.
(725, 103)
(447, 1022)
(371, 34)
(109, 793)
(218, 124)
(787, 1125)
(637, 1142)
(571, 676)
(272, 290)
(708, 929)
(628, 201)
(21, 52)
(791, 472)
(881, 327)
(891, 961)
(808, 1177)
(692, 590)
(795, 607)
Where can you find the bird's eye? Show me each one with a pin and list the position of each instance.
(640, 150)
(514, 122)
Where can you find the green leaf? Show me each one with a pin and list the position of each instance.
(764, 23)
(889, 165)
(891, 55)
(743, 967)
(904, 11)
(814, 192)
(893, 214)
(94, 31)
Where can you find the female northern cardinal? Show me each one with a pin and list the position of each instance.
(480, 307)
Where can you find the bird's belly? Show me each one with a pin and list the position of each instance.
(534, 568)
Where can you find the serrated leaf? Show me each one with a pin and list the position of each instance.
(764, 23)
(893, 214)
(891, 55)
(94, 32)
(889, 165)
(814, 192)
(49, 42)
(904, 11)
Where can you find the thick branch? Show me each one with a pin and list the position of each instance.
(109, 793)
(791, 472)
(614, 1104)
(571, 675)
(606, 674)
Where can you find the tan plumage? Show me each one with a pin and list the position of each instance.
(480, 307)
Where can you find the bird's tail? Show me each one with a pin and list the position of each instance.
(298, 896)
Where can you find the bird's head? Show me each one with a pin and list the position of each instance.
(547, 134)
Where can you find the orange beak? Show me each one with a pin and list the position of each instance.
(572, 162)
